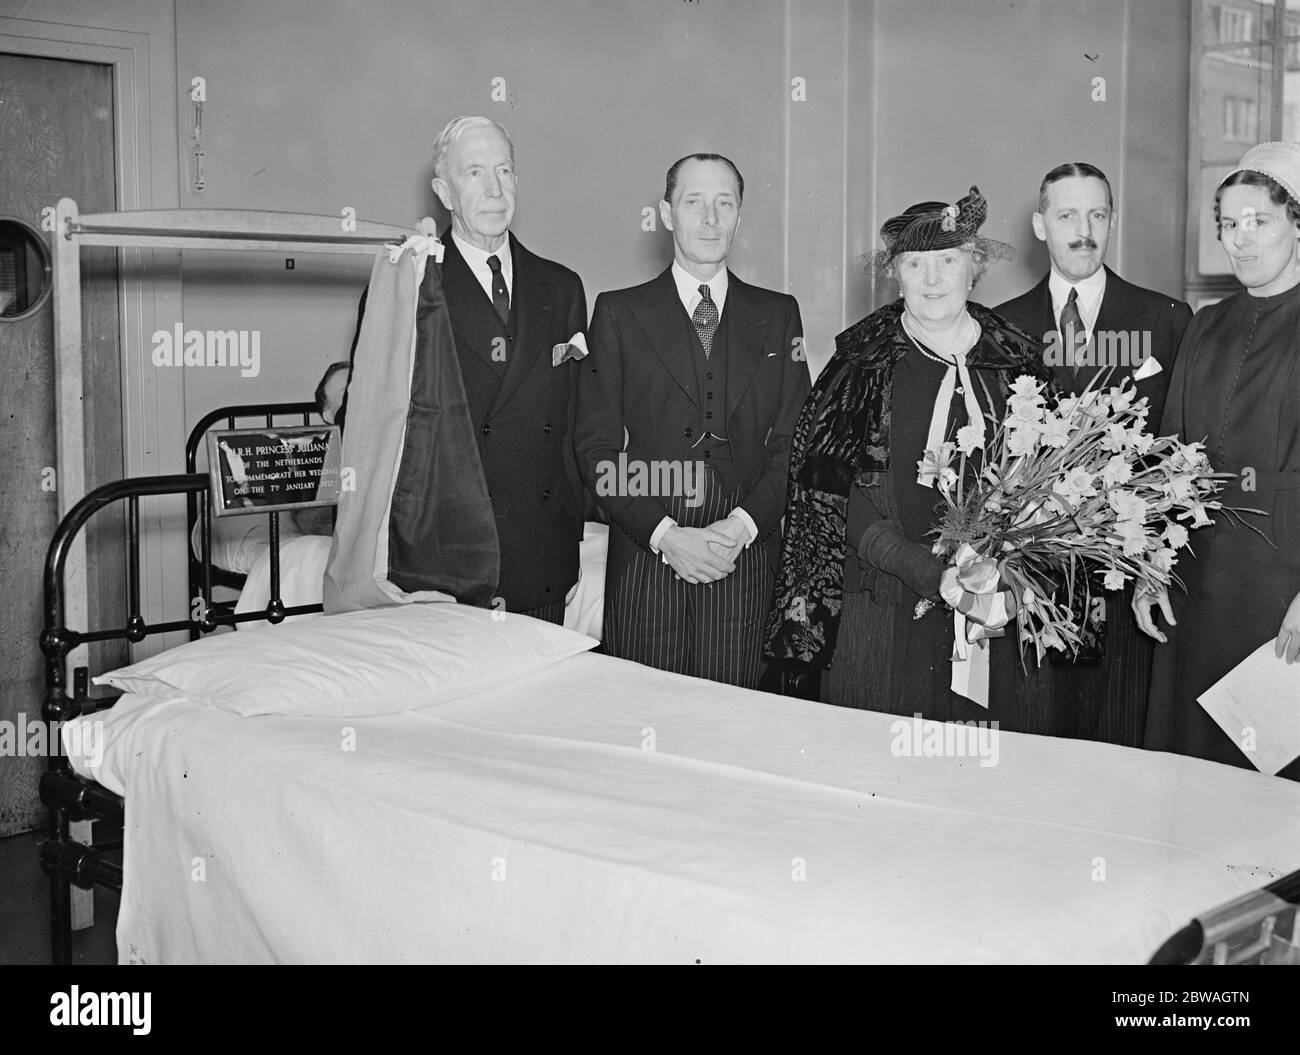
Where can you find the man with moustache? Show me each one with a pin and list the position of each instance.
(1081, 299)
(694, 368)
(518, 322)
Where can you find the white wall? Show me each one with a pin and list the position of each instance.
(316, 105)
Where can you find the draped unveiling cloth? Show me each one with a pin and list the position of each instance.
(414, 522)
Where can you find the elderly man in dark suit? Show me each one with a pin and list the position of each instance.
(517, 320)
(686, 408)
(1091, 321)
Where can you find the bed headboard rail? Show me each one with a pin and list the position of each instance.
(184, 229)
(58, 639)
(202, 575)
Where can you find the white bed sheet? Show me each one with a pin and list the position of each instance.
(531, 823)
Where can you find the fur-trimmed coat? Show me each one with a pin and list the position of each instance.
(842, 438)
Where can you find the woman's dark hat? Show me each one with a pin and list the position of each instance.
(932, 225)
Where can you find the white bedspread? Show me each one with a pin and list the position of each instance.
(533, 823)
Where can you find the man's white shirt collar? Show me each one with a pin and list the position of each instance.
(477, 259)
(688, 288)
(1091, 290)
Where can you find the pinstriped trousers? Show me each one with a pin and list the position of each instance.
(707, 630)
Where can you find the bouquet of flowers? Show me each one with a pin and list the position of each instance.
(1067, 497)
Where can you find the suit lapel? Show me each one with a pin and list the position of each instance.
(530, 311)
(746, 324)
(1117, 312)
(660, 316)
(473, 319)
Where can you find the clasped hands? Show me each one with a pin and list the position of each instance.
(705, 554)
(1146, 598)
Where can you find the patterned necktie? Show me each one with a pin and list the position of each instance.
(1072, 331)
(706, 319)
(500, 296)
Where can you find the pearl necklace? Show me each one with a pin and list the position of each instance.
(924, 350)
(974, 340)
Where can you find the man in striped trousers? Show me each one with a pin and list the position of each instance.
(686, 406)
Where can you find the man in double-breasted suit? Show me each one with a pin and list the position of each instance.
(686, 408)
(515, 317)
(1090, 320)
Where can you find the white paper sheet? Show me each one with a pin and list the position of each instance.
(1257, 704)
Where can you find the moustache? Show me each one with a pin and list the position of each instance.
(1083, 243)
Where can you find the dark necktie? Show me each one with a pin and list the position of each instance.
(706, 319)
(1072, 331)
(500, 296)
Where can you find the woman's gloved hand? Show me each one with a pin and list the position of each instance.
(986, 605)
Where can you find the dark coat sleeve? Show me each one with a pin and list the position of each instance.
(1174, 319)
(765, 501)
(599, 428)
(1171, 418)
(880, 542)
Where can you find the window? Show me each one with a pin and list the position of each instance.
(1240, 119)
(24, 268)
(1245, 89)
(1236, 25)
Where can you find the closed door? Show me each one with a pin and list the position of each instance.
(56, 140)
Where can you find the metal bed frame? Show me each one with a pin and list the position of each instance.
(68, 861)
(71, 798)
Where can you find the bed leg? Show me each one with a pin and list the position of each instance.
(60, 920)
(82, 901)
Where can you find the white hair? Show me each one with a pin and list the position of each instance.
(452, 134)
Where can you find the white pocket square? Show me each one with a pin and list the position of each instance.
(574, 348)
(1148, 369)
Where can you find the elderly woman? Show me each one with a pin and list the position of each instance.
(1236, 386)
(856, 559)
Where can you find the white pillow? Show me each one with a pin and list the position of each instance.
(302, 576)
(357, 664)
(238, 541)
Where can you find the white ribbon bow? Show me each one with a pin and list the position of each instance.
(971, 587)
(423, 242)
